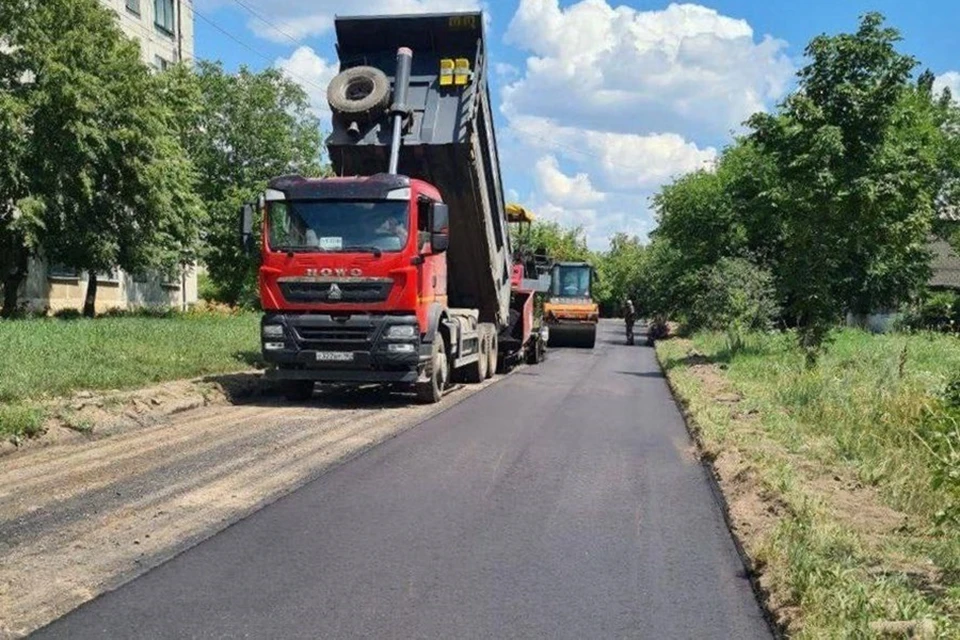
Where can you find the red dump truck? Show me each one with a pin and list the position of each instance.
(399, 270)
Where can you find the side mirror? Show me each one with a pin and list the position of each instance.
(439, 227)
(246, 228)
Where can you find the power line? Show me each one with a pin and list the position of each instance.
(259, 17)
(253, 50)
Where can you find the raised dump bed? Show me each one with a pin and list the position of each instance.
(448, 137)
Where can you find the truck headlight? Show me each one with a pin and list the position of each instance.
(272, 331)
(273, 346)
(402, 332)
(401, 348)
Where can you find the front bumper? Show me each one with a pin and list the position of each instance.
(363, 341)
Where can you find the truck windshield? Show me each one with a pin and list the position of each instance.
(338, 226)
(571, 281)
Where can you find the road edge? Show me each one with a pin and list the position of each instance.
(715, 482)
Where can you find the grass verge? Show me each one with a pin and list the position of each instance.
(45, 358)
(843, 481)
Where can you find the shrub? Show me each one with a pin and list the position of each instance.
(68, 314)
(937, 311)
(736, 297)
(21, 421)
(206, 287)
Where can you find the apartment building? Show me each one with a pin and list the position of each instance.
(164, 29)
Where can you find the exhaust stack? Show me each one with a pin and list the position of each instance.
(399, 108)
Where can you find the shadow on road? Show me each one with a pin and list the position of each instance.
(642, 374)
(638, 342)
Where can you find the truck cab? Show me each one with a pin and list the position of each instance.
(332, 247)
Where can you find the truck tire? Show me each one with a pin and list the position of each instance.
(361, 93)
(534, 351)
(431, 390)
(476, 372)
(298, 390)
(513, 324)
(493, 353)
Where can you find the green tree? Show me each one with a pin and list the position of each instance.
(18, 235)
(695, 214)
(17, 231)
(555, 241)
(620, 272)
(704, 218)
(723, 212)
(666, 282)
(855, 151)
(104, 179)
(241, 130)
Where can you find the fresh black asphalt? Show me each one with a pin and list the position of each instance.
(562, 502)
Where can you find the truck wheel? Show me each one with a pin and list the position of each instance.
(431, 391)
(361, 93)
(298, 390)
(477, 371)
(493, 353)
(534, 352)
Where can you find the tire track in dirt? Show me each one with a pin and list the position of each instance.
(65, 476)
(87, 517)
(205, 463)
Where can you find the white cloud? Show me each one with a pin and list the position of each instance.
(295, 19)
(313, 73)
(620, 161)
(686, 67)
(572, 200)
(949, 80)
(505, 70)
(620, 214)
(616, 102)
(575, 191)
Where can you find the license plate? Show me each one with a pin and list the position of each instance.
(334, 356)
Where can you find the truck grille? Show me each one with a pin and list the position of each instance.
(369, 291)
(335, 338)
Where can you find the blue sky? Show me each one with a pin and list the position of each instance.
(598, 103)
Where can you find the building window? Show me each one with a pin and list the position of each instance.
(160, 63)
(60, 272)
(163, 15)
(133, 6)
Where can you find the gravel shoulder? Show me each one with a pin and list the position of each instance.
(151, 473)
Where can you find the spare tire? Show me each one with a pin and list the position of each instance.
(360, 93)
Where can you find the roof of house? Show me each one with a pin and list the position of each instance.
(945, 265)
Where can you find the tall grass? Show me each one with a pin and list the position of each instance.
(884, 410)
(41, 358)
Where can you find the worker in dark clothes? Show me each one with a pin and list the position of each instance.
(630, 317)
